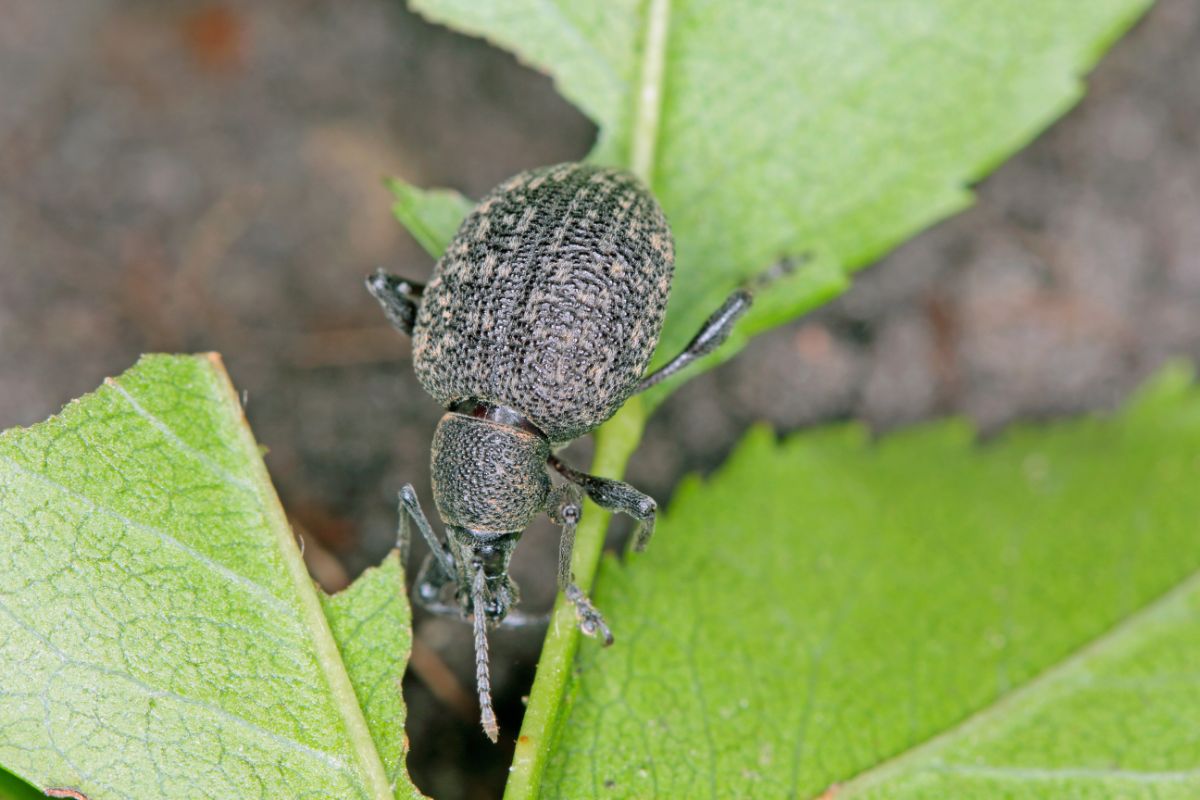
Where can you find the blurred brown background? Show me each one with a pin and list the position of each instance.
(185, 176)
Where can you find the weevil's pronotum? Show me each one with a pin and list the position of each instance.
(537, 325)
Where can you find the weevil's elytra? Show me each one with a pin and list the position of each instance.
(537, 325)
(549, 300)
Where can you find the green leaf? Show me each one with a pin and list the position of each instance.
(431, 216)
(13, 788)
(821, 131)
(817, 127)
(159, 634)
(370, 621)
(920, 617)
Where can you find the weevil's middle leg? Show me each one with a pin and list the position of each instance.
(564, 509)
(615, 496)
(399, 297)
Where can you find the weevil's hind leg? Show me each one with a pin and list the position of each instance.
(716, 328)
(615, 496)
(564, 509)
(712, 334)
(399, 297)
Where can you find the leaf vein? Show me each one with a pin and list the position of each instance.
(227, 476)
(214, 566)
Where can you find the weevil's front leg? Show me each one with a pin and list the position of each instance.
(438, 570)
(410, 508)
(429, 590)
(615, 496)
(399, 297)
(564, 509)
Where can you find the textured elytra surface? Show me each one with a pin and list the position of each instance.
(549, 299)
(159, 636)
(488, 476)
(924, 617)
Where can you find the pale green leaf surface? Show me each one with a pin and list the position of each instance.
(159, 635)
(370, 621)
(431, 216)
(937, 617)
(784, 127)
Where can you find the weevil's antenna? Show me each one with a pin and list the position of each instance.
(483, 681)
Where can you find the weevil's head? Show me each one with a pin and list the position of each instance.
(483, 580)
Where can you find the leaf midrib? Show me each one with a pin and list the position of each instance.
(1038, 688)
(649, 99)
(612, 454)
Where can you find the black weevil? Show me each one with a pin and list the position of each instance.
(538, 324)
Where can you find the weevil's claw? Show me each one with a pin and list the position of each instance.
(605, 633)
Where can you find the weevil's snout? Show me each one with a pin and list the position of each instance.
(500, 594)
(485, 557)
(497, 600)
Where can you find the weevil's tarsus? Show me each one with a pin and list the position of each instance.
(399, 297)
(483, 681)
(566, 511)
(591, 621)
(616, 496)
